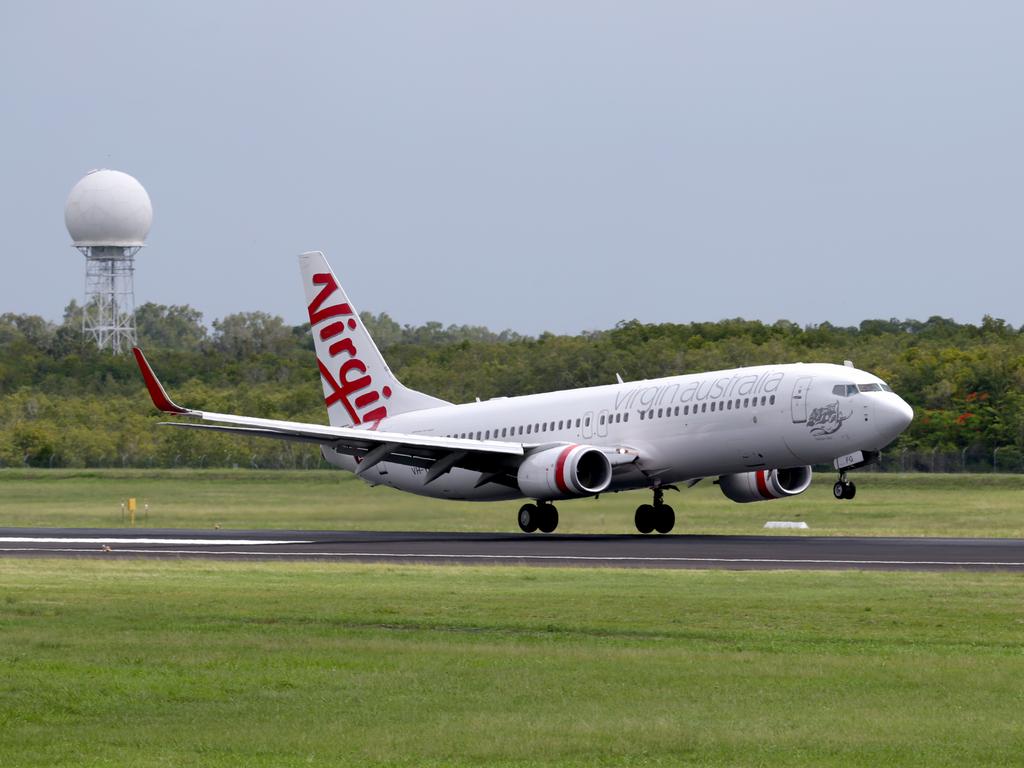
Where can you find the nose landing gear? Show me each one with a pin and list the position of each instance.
(844, 488)
(658, 517)
(541, 516)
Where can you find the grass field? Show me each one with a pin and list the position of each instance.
(195, 663)
(886, 504)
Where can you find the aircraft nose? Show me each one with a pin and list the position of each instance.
(895, 416)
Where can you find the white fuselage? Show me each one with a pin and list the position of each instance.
(682, 427)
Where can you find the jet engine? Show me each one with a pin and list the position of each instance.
(766, 484)
(564, 472)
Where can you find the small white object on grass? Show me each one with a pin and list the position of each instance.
(785, 524)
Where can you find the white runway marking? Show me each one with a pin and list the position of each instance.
(188, 542)
(542, 558)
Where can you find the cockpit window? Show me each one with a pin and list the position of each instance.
(844, 390)
(869, 387)
(886, 388)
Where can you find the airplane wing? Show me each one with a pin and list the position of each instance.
(497, 461)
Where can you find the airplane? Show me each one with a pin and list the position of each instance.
(755, 431)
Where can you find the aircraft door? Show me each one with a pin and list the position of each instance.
(588, 425)
(602, 424)
(798, 403)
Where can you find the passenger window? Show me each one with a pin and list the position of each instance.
(487, 435)
(528, 426)
(762, 399)
(544, 427)
(560, 423)
(618, 417)
(746, 402)
(577, 423)
(659, 413)
(728, 404)
(504, 431)
(625, 416)
(686, 410)
(771, 400)
(642, 415)
(712, 407)
(650, 414)
(477, 435)
(602, 420)
(677, 410)
(586, 422)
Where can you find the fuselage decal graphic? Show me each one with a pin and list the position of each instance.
(827, 419)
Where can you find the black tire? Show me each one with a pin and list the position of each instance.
(839, 490)
(548, 518)
(644, 518)
(529, 516)
(664, 519)
(850, 491)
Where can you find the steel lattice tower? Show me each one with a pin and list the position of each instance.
(108, 215)
(108, 317)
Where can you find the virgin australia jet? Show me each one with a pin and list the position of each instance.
(757, 430)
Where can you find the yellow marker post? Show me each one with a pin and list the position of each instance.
(131, 511)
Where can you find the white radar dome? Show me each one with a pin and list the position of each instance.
(108, 208)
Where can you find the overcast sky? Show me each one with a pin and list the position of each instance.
(536, 166)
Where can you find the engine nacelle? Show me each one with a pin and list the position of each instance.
(766, 484)
(564, 472)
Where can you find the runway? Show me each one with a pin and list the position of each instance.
(620, 551)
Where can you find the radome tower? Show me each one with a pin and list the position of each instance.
(108, 215)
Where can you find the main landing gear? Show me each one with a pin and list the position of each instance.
(541, 516)
(844, 488)
(658, 517)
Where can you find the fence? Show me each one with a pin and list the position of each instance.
(1008, 458)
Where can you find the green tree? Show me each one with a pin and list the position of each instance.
(170, 327)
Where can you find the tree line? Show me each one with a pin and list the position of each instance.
(63, 403)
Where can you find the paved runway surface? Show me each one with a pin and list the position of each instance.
(737, 552)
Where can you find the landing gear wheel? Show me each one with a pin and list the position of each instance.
(548, 518)
(664, 518)
(644, 519)
(844, 490)
(529, 517)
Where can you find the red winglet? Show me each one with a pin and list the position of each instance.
(156, 389)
